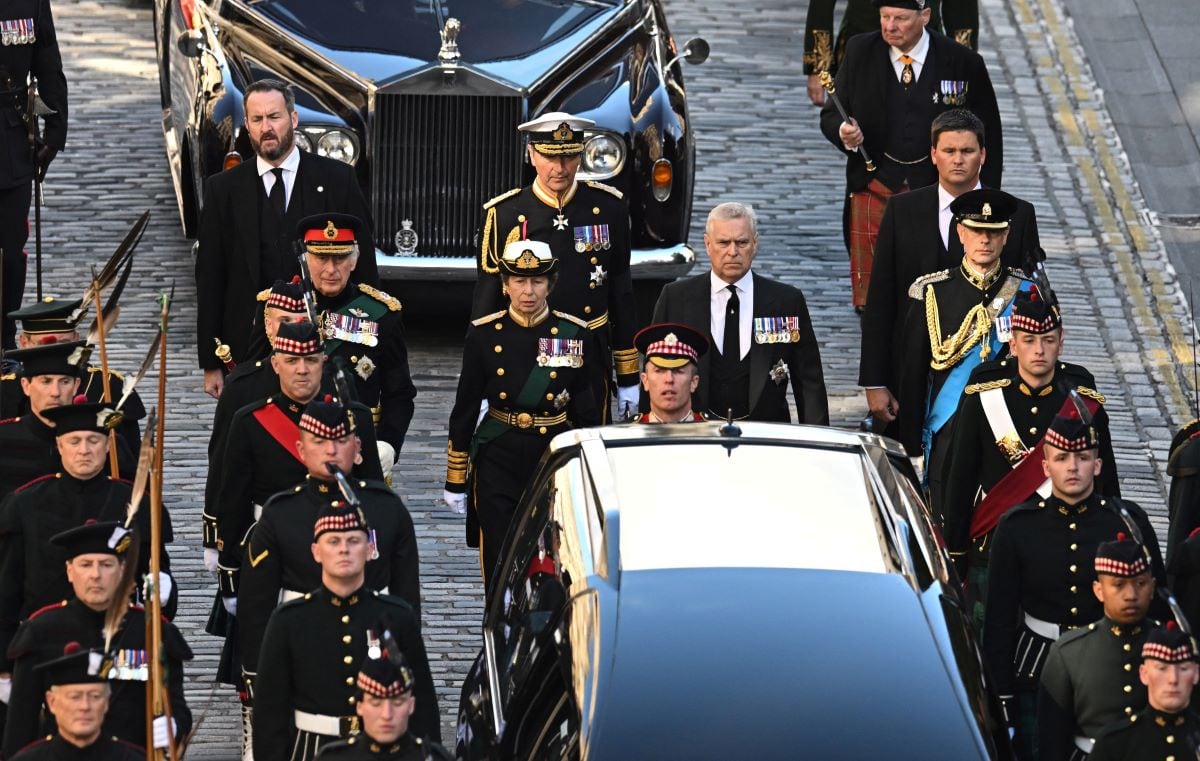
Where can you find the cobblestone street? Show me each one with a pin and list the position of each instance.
(758, 141)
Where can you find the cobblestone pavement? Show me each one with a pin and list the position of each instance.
(758, 141)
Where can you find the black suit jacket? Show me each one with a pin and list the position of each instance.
(228, 272)
(687, 302)
(909, 246)
(861, 85)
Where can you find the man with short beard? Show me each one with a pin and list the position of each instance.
(247, 219)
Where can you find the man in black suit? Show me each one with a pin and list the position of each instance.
(759, 330)
(248, 221)
(892, 84)
(916, 237)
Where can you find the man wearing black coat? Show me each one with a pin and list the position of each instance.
(759, 330)
(247, 223)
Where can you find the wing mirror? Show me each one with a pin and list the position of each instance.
(191, 43)
(695, 51)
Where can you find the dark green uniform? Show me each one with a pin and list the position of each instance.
(1149, 736)
(362, 748)
(1089, 681)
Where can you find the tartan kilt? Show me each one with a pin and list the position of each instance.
(866, 213)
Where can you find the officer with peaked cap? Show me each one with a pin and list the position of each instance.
(279, 564)
(95, 561)
(1042, 567)
(385, 703)
(305, 692)
(1090, 678)
(670, 374)
(1168, 727)
(533, 368)
(586, 225)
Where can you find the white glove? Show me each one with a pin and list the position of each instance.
(165, 585)
(160, 731)
(230, 605)
(210, 560)
(456, 501)
(387, 456)
(5, 689)
(483, 410)
(627, 401)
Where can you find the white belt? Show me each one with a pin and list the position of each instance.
(318, 724)
(1042, 628)
(257, 511)
(288, 595)
(1085, 744)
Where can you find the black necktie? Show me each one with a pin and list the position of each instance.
(731, 346)
(278, 194)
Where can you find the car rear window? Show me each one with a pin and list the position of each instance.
(693, 505)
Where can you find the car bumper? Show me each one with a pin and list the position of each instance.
(644, 263)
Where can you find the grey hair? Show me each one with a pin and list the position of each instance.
(733, 210)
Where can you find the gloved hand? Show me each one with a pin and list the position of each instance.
(210, 560)
(5, 687)
(160, 731)
(230, 605)
(45, 154)
(456, 501)
(483, 410)
(165, 585)
(627, 401)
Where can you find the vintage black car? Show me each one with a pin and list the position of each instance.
(423, 97)
(752, 591)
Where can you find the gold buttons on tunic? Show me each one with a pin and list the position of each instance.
(346, 639)
(1126, 647)
(542, 429)
(1071, 526)
(520, 217)
(594, 260)
(350, 700)
(499, 326)
(1074, 547)
(587, 310)
(1073, 568)
(1033, 431)
(550, 397)
(553, 331)
(499, 371)
(503, 394)
(1074, 611)
(1033, 410)
(592, 285)
(499, 348)
(348, 659)
(1128, 667)
(350, 680)
(1074, 589)
(1128, 688)
(345, 619)
(553, 374)
(595, 209)
(1170, 739)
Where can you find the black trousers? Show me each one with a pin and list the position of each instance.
(503, 469)
(14, 232)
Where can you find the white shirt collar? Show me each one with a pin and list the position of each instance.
(717, 285)
(945, 199)
(290, 164)
(918, 53)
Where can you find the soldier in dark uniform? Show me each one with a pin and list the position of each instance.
(1090, 678)
(533, 367)
(279, 564)
(32, 572)
(28, 47)
(1168, 727)
(304, 694)
(96, 555)
(1001, 418)
(948, 330)
(586, 225)
(1183, 501)
(670, 374)
(78, 698)
(360, 325)
(385, 703)
(1042, 567)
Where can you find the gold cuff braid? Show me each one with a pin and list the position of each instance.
(625, 361)
(456, 465)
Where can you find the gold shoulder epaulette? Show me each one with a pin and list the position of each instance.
(263, 295)
(8, 377)
(501, 197)
(569, 318)
(606, 188)
(1092, 393)
(488, 318)
(975, 388)
(113, 373)
(392, 302)
(917, 289)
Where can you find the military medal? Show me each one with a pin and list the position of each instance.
(374, 544)
(779, 373)
(599, 276)
(562, 399)
(560, 352)
(560, 222)
(346, 327)
(776, 330)
(954, 92)
(373, 649)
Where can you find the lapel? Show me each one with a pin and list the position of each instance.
(309, 192)
(697, 313)
(247, 199)
(760, 354)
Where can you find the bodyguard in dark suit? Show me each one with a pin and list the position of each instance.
(248, 221)
(917, 237)
(760, 331)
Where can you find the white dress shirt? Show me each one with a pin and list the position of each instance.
(289, 167)
(945, 216)
(918, 54)
(718, 302)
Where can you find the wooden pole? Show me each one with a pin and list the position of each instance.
(114, 468)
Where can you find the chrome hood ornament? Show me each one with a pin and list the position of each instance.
(449, 54)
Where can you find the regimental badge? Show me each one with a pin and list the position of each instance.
(591, 238)
(777, 330)
(345, 327)
(953, 92)
(560, 352)
(374, 650)
(406, 239)
(779, 373)
(1011, 447)
(364, 367)
(358, 312)
(18, 31)
(562, 400)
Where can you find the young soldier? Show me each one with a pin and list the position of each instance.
(670, 374)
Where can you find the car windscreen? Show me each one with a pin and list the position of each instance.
(491, 29)
(694, 505)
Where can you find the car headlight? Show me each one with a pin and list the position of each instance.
(334, 142)
(603, 156)
(304, 142)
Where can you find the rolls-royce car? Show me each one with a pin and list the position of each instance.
(721, 590)
(423, 98)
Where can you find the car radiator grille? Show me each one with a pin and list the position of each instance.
(435, 161)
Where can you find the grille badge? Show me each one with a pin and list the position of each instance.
(406, 239)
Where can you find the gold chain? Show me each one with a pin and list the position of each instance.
(974, 327)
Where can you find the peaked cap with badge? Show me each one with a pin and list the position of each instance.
(556, 133)
(670, 344)
(330, 234)
(527, 258)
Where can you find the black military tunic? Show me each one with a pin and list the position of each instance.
(1149, 736)
(590, 238)
(1089, 681)
(42, 638)
(13, 401)
(350, 323)
(105, 748)
(247, 384)
(279, 553)
(1183, 501)
(361, 747)
(33, 571)
(30, 452)
(309, 662)
(537, 380)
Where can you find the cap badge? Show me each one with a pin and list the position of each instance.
(563, 132)
(987, 210)
(528, 260)
(671, 339)
(330, 231)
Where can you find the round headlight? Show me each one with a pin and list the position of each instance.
(337, 144)
(304, 141)
(603, 156)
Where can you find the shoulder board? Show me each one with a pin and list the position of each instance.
(569, 318)
(917, 289)
(1092, 393)
(34, 482)
(113, 373)
(501, 197)
(392, 302)
(606, 188)
(488, 318)
(8, 377)
(52, 606)
(1075, 635)
(263, 295)
(975, 388)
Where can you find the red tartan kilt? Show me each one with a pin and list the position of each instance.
(866, 212)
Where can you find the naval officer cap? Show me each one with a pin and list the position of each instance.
(527, 258)
(82, 415)
(984, 209)
(49, 316)
(67, 358)
(330, 234)
(670, 345)
(556, 133)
